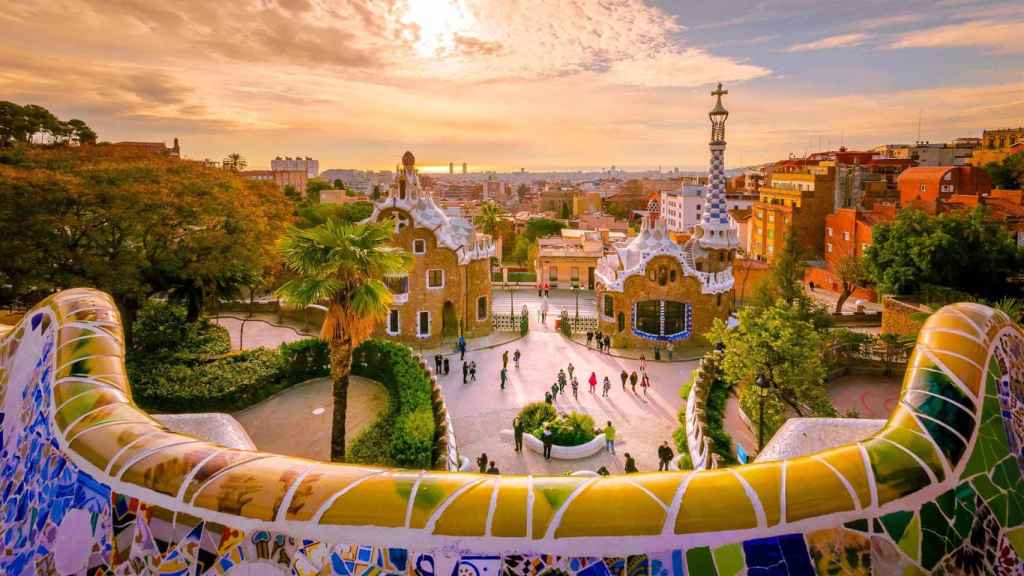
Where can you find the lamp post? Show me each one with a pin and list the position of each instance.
(762, 391)
(576, 290)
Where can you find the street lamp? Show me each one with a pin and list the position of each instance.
(762, 391)
(576, 290)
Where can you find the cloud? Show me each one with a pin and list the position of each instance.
(839, 41)
(998, 36)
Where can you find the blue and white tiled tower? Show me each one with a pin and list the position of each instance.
(718, 231)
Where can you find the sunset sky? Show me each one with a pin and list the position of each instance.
(505, 84)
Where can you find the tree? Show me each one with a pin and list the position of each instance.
(565, 214)
(134, 224)
(342, 265)
(292, 194)
(786, 350)
(964, 250)
(541, 227)
(314, 215)
(234, 162)
(850, 271)
(375, 195)
(338, 184)
(1008, 174)
(489, 218)
(313, 189)
(21, 124)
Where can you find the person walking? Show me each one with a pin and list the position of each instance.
(624, 376)
(607, 387)
(643, 363)
(465, 372)
(447, 366)
(561, 380)
(472, 371)
(600, 340)
(607, 344)
(590, 337)
(609, 437)
(504, 377)
(437, 364)
(504, 359)
(492, 469)
(632, 380)
(547, 397)
(575, 389)
(540, 289)
(670, 347)
(544, 310)
(665, 455)
(515, 357)
(547, 289)
(630, 465)
(547, 438)
(462, 347)
(593, 382)
(554, 390)
(481, 462)
(571, 369)
(517, 432)
(645, 383)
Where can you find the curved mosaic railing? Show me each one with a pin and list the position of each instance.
(697, 442)
(91, 484)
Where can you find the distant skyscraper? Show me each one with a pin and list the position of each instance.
(451, 167)
(464, 171)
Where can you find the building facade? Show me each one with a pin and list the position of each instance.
(653, 290)
(682, 208)
(308, 165)
(447, 290)
(295, 178)
(796, 200)
(570, 259)
(926, 187)
(996, 145)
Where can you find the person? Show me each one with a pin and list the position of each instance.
(472, 371)
(624, 376)
(437, 364)
(630, 464)
(575, 388)
(607, 387)
(561, 379)
(504, 377)
(602, 471)
(547, 290)
(593, 382)
(665, 455)
(571, 368)
(607, 344)
(600, 340)
(643, 363)
(447, 366)
(811, 285)
(504, 359)
(590, 337)
(481, 462)
(645, 384)
(544, 310)
(609, 437)
(517, 431)
(516, 356)
(554, 390)
(632, 380)
(493, 469)
(657, 353)
(547, 438)
(547, 397)
(462, 347)
(670, 347)
(540, 289)
(465, 372)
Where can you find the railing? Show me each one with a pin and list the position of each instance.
(697, 441)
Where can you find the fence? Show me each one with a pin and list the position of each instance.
(696, 440)
(580, 324)
(510, 322)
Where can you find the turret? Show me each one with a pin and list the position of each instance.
(717, 229)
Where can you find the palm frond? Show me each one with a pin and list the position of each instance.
(308, 290)
(371, 299)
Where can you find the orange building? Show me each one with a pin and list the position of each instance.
(294, 178)
(924, 187)
(797, 197)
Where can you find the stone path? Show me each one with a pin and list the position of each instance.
(297, 421)
(870, 395)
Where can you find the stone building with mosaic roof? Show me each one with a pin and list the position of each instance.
(654, 290)
(447, 290)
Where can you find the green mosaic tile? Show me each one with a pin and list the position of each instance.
(984, 486)
(896, 472)
(1000, 507)
(1006, 474)
(1014, 511)
(910, 544)
(933, 535)
(729, 559)
(699, 561)
(991, 444)
(946, 523)
(877, 527)
(896, 523)
(858, 525)
(938, 382)
(1016, 538)
(638, 565)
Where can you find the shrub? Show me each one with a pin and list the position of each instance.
(522, 276)
(161, 328)
(535, 415)
(305, 359)
(404, 435)
(572, 429)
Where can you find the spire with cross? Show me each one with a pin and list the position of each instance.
(719, 230)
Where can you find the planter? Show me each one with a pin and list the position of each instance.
(565, 452)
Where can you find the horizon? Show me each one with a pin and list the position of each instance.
(535, 85)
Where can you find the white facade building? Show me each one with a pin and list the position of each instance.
(307, 164)
(682, 209)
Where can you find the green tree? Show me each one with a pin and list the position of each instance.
(21, 124)
(375, 195)
(850, 271)
(786, 350)
(234, 162)
(541, 227)
(1008, 174)
(313, 189)
(338, 184)
(565, 213)
(964, 250)
(489, 218)
(342, 265)
(291, 193)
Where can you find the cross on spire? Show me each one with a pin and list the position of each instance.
(719, 92)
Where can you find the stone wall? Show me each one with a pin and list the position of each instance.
(705, 307)
(902, 317)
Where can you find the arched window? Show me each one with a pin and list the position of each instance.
(662, 319)
(622, 321)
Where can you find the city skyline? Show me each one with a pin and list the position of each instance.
(534, 85)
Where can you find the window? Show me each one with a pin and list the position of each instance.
(435, 278)
(609, 306)
(828, 231)
(672, 275)
(622, 321)
(394, 327)
(846, 235)
(423, 324)
(923, 188)
(662, 319)
(828, 247)
(419, 246)
(553, 273)
(398, 285)
(481, 308)
(575, 271)
(662, 276)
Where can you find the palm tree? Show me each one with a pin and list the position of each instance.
(489, 218)
(342, 265)
(234, 162)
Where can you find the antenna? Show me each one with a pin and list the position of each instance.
(918, 124)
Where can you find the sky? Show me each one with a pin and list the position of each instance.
(510, 84)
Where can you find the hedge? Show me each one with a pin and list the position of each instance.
(175, 366)
(403, 435)
(522, 276)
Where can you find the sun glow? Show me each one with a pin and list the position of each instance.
(438, 24)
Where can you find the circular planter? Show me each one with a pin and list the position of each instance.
(566, 452)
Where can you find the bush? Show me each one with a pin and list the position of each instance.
(570, 429)
(534, 415)
(404, 435)
(522, 276)
(162, 329)
(305, 359)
